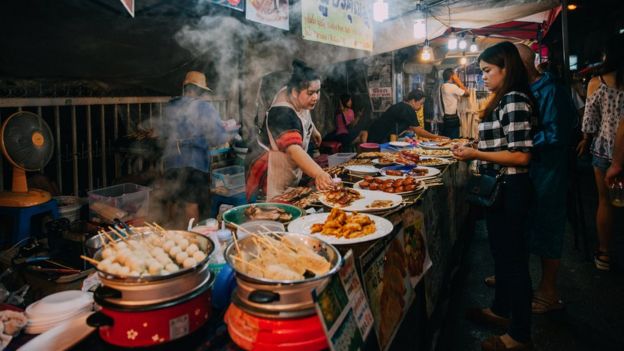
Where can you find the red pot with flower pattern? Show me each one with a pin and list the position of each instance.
(152, 324)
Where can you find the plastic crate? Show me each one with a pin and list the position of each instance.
(132, 199)
(231, 177)
(339, 158)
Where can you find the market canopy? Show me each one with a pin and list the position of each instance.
(95, 40)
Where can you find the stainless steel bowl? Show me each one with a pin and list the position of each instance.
(281, 298)
(322, 248)
(204, 243)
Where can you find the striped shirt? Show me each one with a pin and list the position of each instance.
(508, 128)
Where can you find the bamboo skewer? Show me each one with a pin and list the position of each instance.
(110, 239)
(90, 260)
(251, 264)
(117, 234)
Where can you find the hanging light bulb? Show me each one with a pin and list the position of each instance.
(473, 46)
(462, 43)
(452, 40)
(427, 53)
(380, 11)
(463, 60)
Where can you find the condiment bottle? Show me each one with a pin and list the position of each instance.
(222, 239)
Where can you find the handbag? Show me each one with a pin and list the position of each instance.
(483, 189)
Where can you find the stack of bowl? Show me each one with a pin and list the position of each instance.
(54, 309)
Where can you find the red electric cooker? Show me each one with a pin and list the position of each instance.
(278, 315)
(147, 311)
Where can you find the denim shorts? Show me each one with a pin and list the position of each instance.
(601, 163)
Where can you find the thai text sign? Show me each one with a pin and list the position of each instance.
(339, 22)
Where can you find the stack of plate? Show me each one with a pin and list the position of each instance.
(54, 309)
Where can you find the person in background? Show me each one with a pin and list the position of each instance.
(504, 148)
(345, 117)
(191, 127)
(548, 172)
(398, 118)
(604, 110)
(279, 157)
(617, 165)
(450, 92)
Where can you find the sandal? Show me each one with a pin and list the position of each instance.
(601, 260)
(490, 281)
(542, 304)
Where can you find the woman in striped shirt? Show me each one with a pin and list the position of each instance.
(504, 147)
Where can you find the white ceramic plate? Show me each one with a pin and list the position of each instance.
(368, 198)
(304, 224)
(419, 186)
(431, 172)
(362, 169)
(400, 143)
(63, 336)
(376, 162)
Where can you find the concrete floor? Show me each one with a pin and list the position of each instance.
(594, 315)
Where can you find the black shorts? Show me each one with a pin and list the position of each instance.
(187, 185)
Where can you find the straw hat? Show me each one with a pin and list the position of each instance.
(196, 78)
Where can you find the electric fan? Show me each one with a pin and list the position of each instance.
(27, 144)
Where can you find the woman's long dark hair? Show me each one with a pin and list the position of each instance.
(505, 55)
(301, 76)
(614, 59)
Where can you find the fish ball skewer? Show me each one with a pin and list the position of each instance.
(181, 256)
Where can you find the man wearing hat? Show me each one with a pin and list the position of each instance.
(191, 127)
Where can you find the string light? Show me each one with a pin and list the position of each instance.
(572, 6)
(473, 46)
(463, 60)
(452, 40)
(380, 11)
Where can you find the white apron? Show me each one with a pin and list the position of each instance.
(282, 171)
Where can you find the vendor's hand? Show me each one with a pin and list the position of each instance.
(442, 138)
(612, 172)
(464, 153)
(323, 181)
(316, 137)
(581, 148)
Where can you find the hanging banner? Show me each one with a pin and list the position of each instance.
(270, 12)
(339, 22)
(379, 82)
(129, 5)
(238, 5)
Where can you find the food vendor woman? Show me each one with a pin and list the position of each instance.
(279, 158)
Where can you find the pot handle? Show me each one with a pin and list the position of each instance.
(99, 319)
(105, 292)
(263, 296)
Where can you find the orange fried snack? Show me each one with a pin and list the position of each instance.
(342, 225)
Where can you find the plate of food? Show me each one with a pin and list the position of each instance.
(444, 153)
(384, 161)
(429, 161)
(399, 144)
(361, 169)
(360, 200)
(339, 227)
(437, 145)
(391, 184)
(418, 172)
(283, 213)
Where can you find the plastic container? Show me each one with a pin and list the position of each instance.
(130, 198)
(339, 158)
(222, 239)
(230, 177)
(69, 207)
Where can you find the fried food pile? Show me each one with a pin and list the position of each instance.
(342, 225)
(342, 196)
